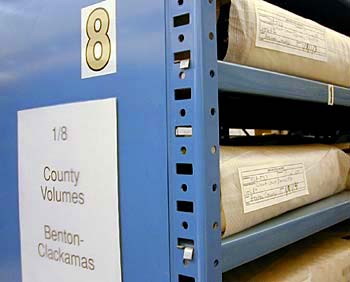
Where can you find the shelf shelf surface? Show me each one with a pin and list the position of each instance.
(243, 79)
(284, 230)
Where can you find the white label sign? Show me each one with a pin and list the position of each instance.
(267, 185)
(98, 39)
(68, 193)
(282, 31)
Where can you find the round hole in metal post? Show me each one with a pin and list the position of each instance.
(181, 38)
(185, 225)
(216, 263)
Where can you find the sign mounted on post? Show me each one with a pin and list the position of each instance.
(68, 193)
(98, 39)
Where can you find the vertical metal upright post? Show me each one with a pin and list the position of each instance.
(193, 132)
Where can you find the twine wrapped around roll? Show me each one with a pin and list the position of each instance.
(265, 36)
(277, 179)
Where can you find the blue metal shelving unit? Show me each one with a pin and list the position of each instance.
(169, 181)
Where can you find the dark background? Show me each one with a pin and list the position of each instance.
(334, 14)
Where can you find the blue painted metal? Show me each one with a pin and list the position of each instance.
(248, 80)
(40, 65)
(202, 114)
(284, 230)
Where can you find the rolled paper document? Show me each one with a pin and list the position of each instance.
(265, 36)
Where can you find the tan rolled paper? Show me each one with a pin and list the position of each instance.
(324, 257)
(217, 9)
(277, 179)
(265, 36)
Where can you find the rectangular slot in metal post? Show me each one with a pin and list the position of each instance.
(184, 169)
(184, 131)
(181, 20)
(181, 56)
(184, 206)
(185, 242)
(183, 94)
(183, 278)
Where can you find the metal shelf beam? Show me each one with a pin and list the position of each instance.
(248, 80)
(284, 230)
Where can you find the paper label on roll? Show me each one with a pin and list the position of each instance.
(283, 31)
(267, 185)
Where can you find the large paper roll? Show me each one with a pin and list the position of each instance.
(324, 257)
(259, 183)
(265, 36)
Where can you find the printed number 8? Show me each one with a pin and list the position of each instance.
(98, 49)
